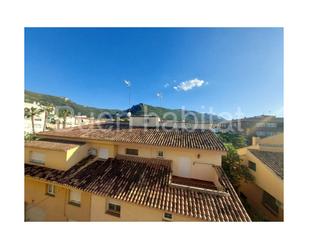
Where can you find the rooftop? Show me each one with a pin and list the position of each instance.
(146, 182)
(50, 144)
(191, 139)
(274, 160)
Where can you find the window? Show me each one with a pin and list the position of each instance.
(270, 203)
(260, 133)
(269, 133)
(160, 154)
(37, 157)
(74, 198)
(113, 209)
(167, 216)
(271, 125)
(252, 165)
(260, 124)
(133, 152)
(50, 189)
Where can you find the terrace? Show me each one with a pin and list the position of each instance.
(193, 183)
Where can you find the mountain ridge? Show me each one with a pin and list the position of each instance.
(136, 110)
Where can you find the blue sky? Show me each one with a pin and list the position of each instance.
(194, 68)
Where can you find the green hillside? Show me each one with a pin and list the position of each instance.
(44, 99)
(139, 109)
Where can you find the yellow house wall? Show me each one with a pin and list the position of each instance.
(76, 154)
(276, 139)
(254, 195)
(149, 151)
(272, 143)
(129, 212)
(55, 208)
(81, 213)
(199, 167)
(265, 178)
(112, 149)
(38, 201)
(271, 148)
(61, 160)
(53, 159)
(93, 207)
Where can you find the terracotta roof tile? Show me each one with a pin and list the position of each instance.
(53, 144)
(146, 182)
(192, 139)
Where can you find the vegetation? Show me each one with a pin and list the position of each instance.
(44, 99)
(254, 215)
(47, 109)
(31, 113)
(64, 113)
(178, 113)
(135, 109)
(30, 137)
(237, 140)
(231, 164)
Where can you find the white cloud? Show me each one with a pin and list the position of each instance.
(166, 85)
(189, 84)
(128, 83)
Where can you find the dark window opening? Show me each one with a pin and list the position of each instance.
(270, 203)
(168, 216)
(252, 165)
(133, 152)
(113, 209)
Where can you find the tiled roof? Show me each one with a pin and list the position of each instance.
(197, 139)
(274, 160)
(147, 182)
(53, 144)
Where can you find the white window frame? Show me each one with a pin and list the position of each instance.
(74, 201)
(167, 218)
(50, 189)
(158, 153)
(35, 160)
(112, 211)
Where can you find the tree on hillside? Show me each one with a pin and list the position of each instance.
(64, 113)
(48, 110)
(31, 113)
(231, 164)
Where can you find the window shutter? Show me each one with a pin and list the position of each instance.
(37, 157)
(75, 196)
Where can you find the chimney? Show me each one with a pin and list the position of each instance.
(255, 140)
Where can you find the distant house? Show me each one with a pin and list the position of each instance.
(144, 121)
(155, 121)
(259, 126)
(265, 161)
(108, 173)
